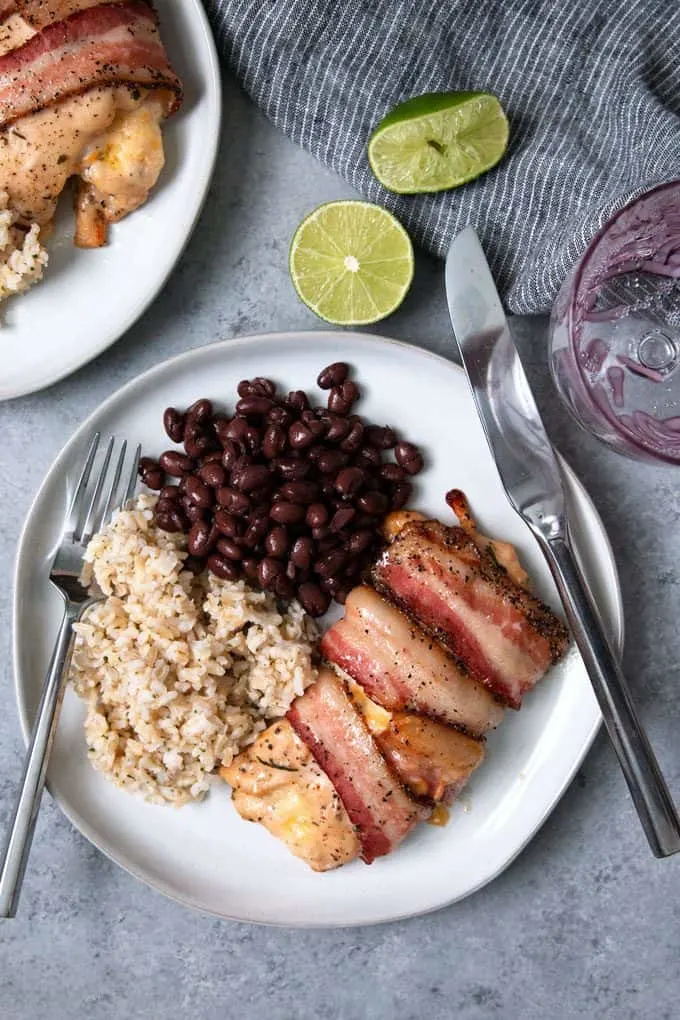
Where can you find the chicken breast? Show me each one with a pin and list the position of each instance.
(277, 782)
(84, 87)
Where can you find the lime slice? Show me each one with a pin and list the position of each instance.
(438, 141)
(351, 262)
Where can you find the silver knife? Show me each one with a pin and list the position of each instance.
(531, 478)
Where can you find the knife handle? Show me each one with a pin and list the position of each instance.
(648, 788)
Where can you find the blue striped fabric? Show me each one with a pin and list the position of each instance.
(592, 89)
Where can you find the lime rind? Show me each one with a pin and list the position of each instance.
(438, 141)
(376, 245)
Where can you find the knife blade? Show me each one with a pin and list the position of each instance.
(519, 443)
(530, 476)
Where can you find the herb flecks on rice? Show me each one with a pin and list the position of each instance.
(178, 672)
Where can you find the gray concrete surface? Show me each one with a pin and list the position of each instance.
(584, 924)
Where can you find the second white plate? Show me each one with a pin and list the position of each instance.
(88, 299)
(205, 855)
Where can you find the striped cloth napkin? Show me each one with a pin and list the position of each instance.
(591, 87)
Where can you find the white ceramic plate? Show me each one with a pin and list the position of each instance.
(205, 855)
(88, 299)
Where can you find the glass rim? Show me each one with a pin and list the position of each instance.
(577, 277)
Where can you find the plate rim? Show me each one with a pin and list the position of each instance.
(50, 378)
(82, 826)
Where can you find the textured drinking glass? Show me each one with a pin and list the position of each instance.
(615, 330)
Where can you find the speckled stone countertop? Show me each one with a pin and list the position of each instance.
(584, 924)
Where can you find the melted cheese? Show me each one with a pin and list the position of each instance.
(375, 716)
(104, 134)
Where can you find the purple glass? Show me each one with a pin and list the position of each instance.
(615, 330)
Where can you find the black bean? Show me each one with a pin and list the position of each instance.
(268, 570)
(283, 588)
(291, 468)
(227, 547)
(200, 411)
(249, 567)
(330, 461)
(175, 463)
(172, 520)
(369, 458)
(263, 494)
(331, 563)
(316, 516)
(213, 474)
(250, 477)
(338, 429)
(299, 492)
(199, 538)
(312, 599)
(302, 552)
(287, 513)
(154, 479)
(392, 473)
(253, 405)
(276, 542)
(256, 530)
(360, 541)
(196, 440)
(273, 442)
(382, 438)
(328, 544)
(341, 398)
(349, 481)
(222, 567)
(332, 375)
(231, 453)
(400, 495)
(169, 494)
(227, 524)
(193, 512)
(354, 438)
(145, 465)
(198, 492)
(297, 400)
(374, 503)
(173, 423)
(234, 501)
(409, 458)
(252, 439)
(321, 532)
(299, 435)
(341, 518)
(280, 416)
(212, 457)
(236, 429)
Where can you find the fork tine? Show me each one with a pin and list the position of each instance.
(81, 487)
(132, 482)
(113, 488)
(88, 527)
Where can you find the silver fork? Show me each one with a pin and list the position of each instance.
(91, 507)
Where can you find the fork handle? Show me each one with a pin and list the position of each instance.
(640, 768)
(18, 847)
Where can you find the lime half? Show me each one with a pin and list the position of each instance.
(351, 262)
(438, 141)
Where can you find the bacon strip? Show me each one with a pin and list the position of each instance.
(40, 13)
(432, 760)
(110, 44)
(458, 593)
(402, 669)
(325, 719)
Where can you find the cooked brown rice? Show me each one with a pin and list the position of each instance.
(178, 672)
